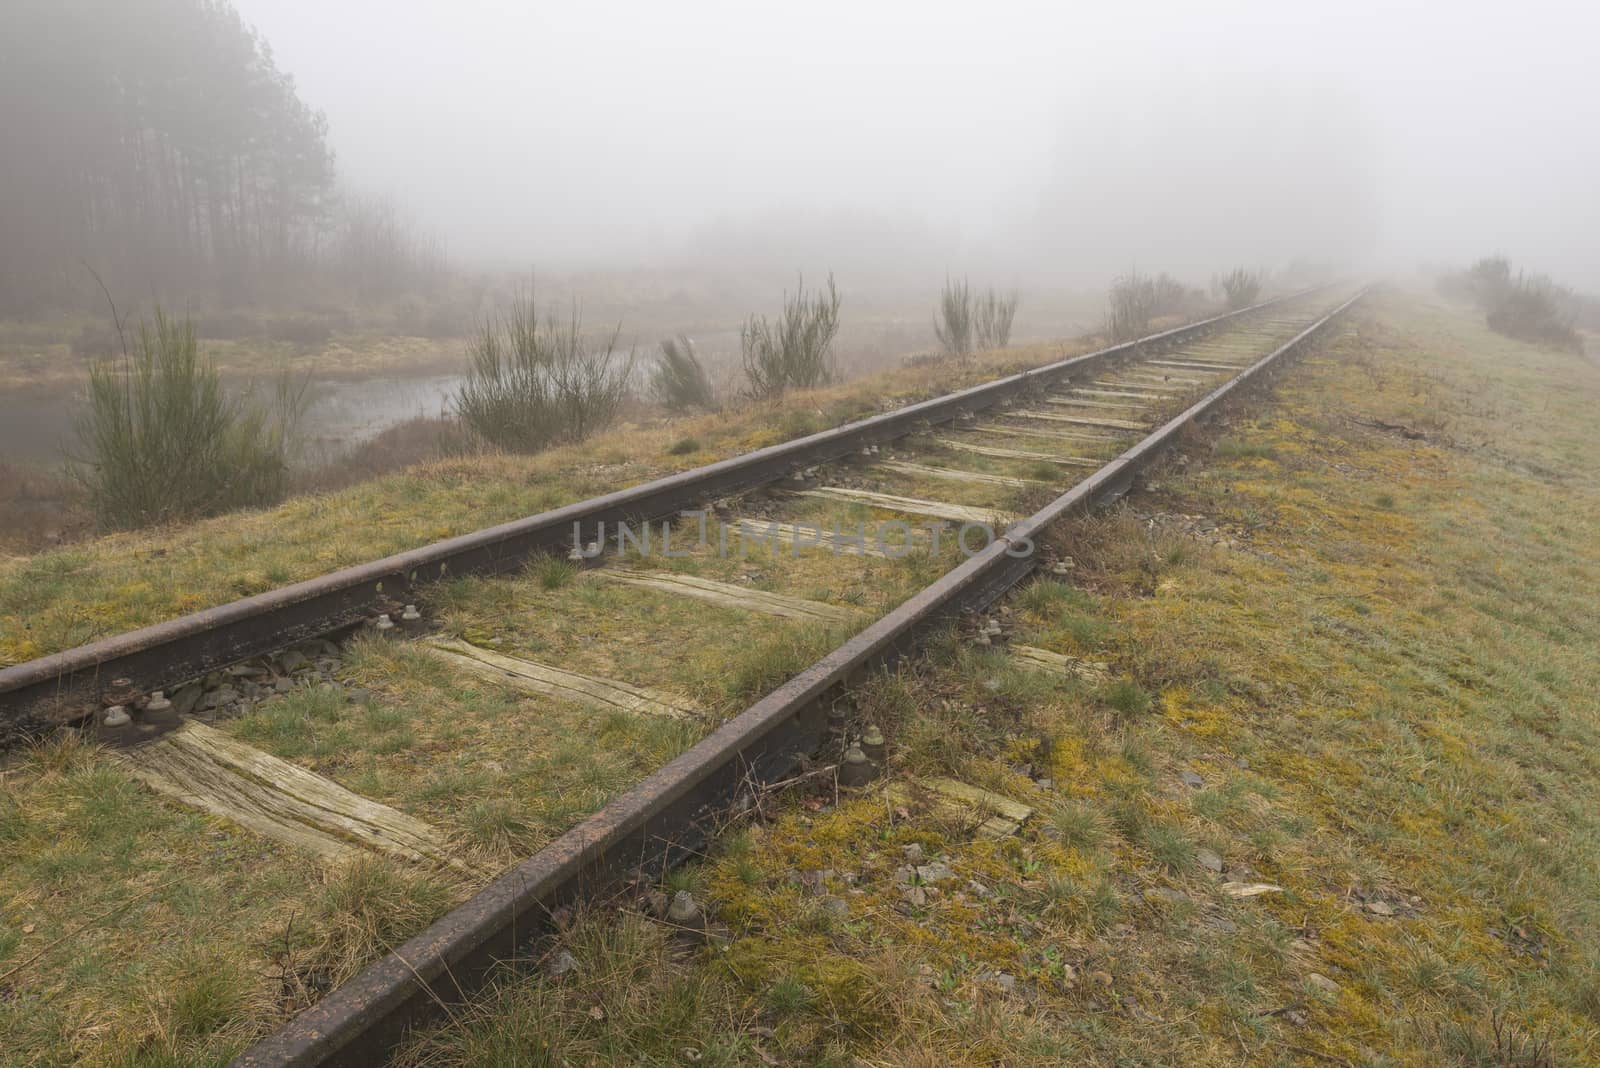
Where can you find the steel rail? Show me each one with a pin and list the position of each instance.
(63, 687)
(669, 812)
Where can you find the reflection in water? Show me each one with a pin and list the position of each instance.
(345, 414)
(38, 429)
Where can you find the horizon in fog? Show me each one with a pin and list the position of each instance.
(1016, 137)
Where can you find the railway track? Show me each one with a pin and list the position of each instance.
(830, 555)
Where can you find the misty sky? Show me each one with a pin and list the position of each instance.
(1076, 139)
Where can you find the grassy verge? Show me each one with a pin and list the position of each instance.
(59, 599)
(1352, 650)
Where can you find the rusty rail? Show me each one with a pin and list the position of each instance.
(63, 687)
(667, 813)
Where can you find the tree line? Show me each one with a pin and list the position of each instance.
(158, 142)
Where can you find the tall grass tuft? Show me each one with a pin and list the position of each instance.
(161, 440)
(796, 352)
(680, 380)
(1133, 305)
(1240, 287)
(995, 313)
(535, 382)
(954, 324)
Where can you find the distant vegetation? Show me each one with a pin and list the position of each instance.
(1240, 288)
(170, 153)
(679, 380)
(1136, 300)
(161, 440)
(1519, 305)
(537, 381)
(796, 352)
(965, 322)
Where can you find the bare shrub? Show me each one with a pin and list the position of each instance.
(1523, 306)
(1240, 288)
(954, 322)
(1133, 305)
(534, 382)
(1534, 309)
(796, 352)
(162, 441)
(679, 380)
(994, 318)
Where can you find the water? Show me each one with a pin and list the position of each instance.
(37, 426)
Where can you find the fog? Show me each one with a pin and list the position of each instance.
(1037, 139)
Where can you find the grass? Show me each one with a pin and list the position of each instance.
(1417, 776)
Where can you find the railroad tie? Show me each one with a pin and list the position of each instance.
(997, 816)
(956, 513)
(1033, 656)
(216, 773)
(954, 475)
(543, 680)
(1079, 420)
(1017, 454)
(1087, 437)
(731, 596)
(1109, 406)
(775, 536)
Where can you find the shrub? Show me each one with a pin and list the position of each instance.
(1527, 307)
(1240, 287)
(1533, 309)
(1133, 305)
(795, 352)
(995, 314)
(163, 441)
(535, 382)
(954, 322)
(680, 380)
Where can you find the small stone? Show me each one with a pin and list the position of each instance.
(1380, 908)
(979, 889)
(905, 875)
(915, 896)
(1045, 784)
(913, 853)
(656, 903)
(187, 697)
(1208, 860)
(1190, 779)
(1101, 978)
(283, 685)
(561, 964)
(836, 907)
(359, 696)
(1166, 894)
(223, 695)
(1004, 980)
(291, 661)
(936, 872)
(1322, 983)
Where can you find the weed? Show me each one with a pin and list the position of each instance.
(552, 572)
(954, 322)
(796, 352)
(680, 380)
(161, 440)
(1127, 697)
(1241, 287)
(683, 447)
(534, 382)
(1133, 305)
(995, 314)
